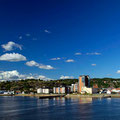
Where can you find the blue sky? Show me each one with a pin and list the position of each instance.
(42, 37)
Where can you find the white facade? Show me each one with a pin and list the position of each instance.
(46, 91)
(9, 92)
(43, 90)
(108, 92)
(54, 90)
(115, 90)
(72, 87)
(86, 90)
(40, 90)
(6, 93)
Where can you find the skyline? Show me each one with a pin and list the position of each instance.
(59, 39)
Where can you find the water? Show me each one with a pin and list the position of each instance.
(28, 108)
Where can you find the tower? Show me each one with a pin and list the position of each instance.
(84, 81)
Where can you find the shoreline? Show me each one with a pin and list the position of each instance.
(93, 96)
(36, 95)
(66, 96)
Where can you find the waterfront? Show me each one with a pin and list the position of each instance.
(29, 108)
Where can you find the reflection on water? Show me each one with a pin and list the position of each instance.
(82, 100)
(27, 108)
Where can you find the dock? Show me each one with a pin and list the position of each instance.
(50, 96)
(41, 96)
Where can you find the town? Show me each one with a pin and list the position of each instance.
(80, 86)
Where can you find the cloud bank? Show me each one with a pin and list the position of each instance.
(66, 77)
(11, 46)
(12, 57)
(15, 75)
(41, 66)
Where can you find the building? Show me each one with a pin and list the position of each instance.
(72, 88)
(54, 90)
(68, 89)
(46, 91)
(8, 92)
(108, 92)
(115, 90)
(43, 91)
(62, 90)
(59, 90)
(95, 85)
(84, 84)
(75, 88)
(39, 90)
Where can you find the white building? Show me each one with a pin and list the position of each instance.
(39, 90)
(46, 91)
(86, 90)
(108, 92)
(54, 90)
(8, 92)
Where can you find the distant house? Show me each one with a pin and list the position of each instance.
(108, 92)
(95, 85)
(116, 90)
(43, 91)
(46, 91)
(18, 92)
(59, 90)
(8, 92)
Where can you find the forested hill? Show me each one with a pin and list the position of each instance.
(32, 84)
(106, 82)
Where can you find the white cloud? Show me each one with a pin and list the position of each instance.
(32, 63)
(66, 77)
(47, 31)
(15, 75)
(78, 53)
(11, 46)
(69, 60)
(93, 64)
(118, 71)
(94, 53)
(47, 67)
(9, 75)
(41, 66)
(55, 58)
(42, 77)
(12, 57)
